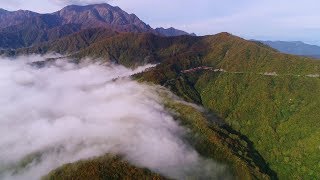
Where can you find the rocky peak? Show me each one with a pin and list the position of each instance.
(11, 18)
(3, 10)
(101, 15)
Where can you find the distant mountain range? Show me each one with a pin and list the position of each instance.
(295, 47)
(172, 32)
(25, 28)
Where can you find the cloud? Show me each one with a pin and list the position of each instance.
(11, 3)
(66, 112)
(8, 5)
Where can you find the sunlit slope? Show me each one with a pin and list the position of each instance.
(105, 167)
(220, 142)
(270, 97)
(236, 157)
(279, 114)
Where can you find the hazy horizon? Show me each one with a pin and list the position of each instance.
(266, 20)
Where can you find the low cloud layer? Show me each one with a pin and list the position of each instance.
(66, 112)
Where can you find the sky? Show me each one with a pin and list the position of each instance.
(287, 20)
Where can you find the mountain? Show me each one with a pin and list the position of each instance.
(267, 96)
(263, 95)
(133, 49)
(266, 100)
(295, 47)
(68, 44)
(35, 30)
(8, 18)
(172, 32)
(25, 28)
(102, 15)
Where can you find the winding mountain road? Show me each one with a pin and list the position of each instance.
(208, 68)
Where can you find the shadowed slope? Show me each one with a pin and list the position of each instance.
(26, 28)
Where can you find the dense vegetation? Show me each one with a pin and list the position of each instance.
(105, 167)
(277, 112)
(214, 139)
(268, 97)
(210, 139)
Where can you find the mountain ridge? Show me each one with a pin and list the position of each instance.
(261, 93)
(103, 15)
(264, 96)
(27, 28)
(172, 32)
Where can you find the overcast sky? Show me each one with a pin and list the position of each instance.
(251, 19)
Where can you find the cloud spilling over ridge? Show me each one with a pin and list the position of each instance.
(66, 112)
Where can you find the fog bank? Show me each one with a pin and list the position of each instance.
(65, 112)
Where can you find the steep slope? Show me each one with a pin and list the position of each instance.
(222, 143)
(136, 49)
(24, 28)
(268, 96)
(295, 47)
(211, 140)
(8, 18)
(69, 44)
(35, 30)
(214, 139)
(124, 48)
(21, 28)
(102, 15)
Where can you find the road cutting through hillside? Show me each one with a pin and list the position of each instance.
(220, 70)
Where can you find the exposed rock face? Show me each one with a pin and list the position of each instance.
(21, 28)
(8, 18)
(102, 15)
(25, 28)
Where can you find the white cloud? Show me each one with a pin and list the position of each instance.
(66, 112)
